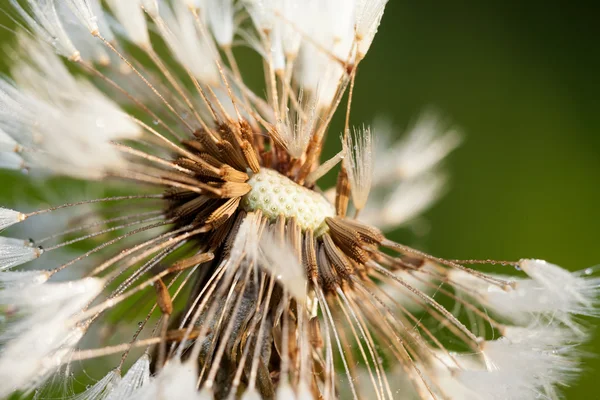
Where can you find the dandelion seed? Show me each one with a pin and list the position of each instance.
(225, 264)
(10, 217)
(176, 379)
(102, 389)
(14, 252)
(45, 332)
(137, 377)
(359, 164)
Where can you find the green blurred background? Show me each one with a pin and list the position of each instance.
(520, 80)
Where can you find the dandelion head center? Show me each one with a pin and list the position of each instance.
(276, 195)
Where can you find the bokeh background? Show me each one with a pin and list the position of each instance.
(521, 81)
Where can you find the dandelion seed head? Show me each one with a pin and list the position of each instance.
(219, 260)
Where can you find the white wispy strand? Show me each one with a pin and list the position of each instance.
(43, 19)
(131, 16)
(79, 31)
(7, 143)
(40, 71)
(280, 260)
(424, 147)
(44, 335)
(293, 16)
(523, 367)
(151, 7)
(247, 239)
(10, 217)
(11, 161)
(251, 394)
(304, 392)
(102, 389)
(285, 392)
(552, 292)
(358, 161)
(575, 293)
(194, 50)
(329, 24)
(195, 4)
(367, 18)
(14, 252)
(409, 200)
(220, 16)
(262, 13)
(69, 122)
(137, 377)
(22, 279)
(84, 11)
(176, 380)
(295, 136)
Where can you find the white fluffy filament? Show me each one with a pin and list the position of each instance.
(279, 260)
(43, 337)
(14, 252)
(359, 164)
(10, 217)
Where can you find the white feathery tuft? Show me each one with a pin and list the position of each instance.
(319, 68)
(195, 4)
(205, 394)
(409, 200)
(42, 17)
(176, 380)
(84, 11)
(280, 260)
(295, 136)
(358, 161)
(247, 240)
(262, 13)
(70, 121)
(551, 292)
(151, 7)
(41, 71)
(304, 392)
(131, 16)
(574, 293)
(137, 377)
(80, 32)
(11, 161)
(251, 394)
(14, 252)
(192, 47)
(22, 279)
(101, 389)
(10, 217)
(44, 334)
(367, 19)
(285, 392)
(292, 17)
(7, 143)
(424, 147)
(220, 16)
(523, 367)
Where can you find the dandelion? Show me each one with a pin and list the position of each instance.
(221, 269)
